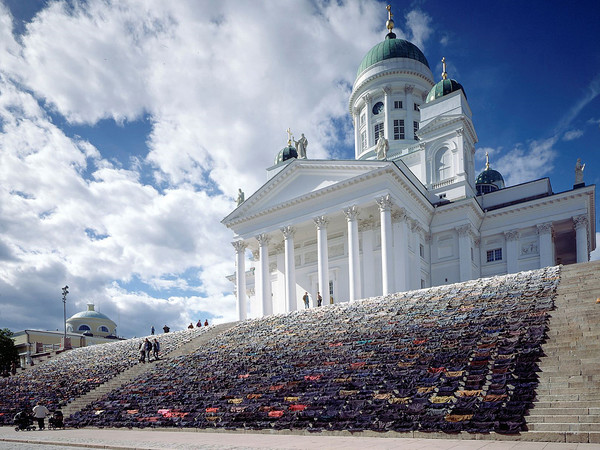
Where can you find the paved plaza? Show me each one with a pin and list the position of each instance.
(158, 439)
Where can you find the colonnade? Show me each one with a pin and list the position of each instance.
(398, 272)
(391, 279)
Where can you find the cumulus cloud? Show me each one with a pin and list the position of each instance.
(523, 162)
(419, 25)
(139, 235)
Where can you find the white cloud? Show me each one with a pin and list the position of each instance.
(522, 163)
(572, 135)
(419, 25)
(219, 84)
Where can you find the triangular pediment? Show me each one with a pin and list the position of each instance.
(299, 179)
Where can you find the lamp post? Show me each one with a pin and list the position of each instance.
(65, 291)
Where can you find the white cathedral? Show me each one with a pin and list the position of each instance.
(408, 212)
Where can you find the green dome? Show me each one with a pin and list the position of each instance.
(490, 177)
(391, 48)
(285, 154)
(442, 88)
(89, 314)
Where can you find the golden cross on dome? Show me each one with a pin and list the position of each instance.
(444, 74)
(390, 22)
(289, 133)
(487, 160)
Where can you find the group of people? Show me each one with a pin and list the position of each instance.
(306, 300)
(24, 419)
(145, 347)
(451, 358)
(198, 324)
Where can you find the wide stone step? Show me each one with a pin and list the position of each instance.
(591, 405)
(574, 397)
(540, 410)
(546, 418)
(564, 427)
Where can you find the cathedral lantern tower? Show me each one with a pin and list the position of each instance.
(449, 138)
(391, 84)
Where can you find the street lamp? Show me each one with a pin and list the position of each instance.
(65, 291)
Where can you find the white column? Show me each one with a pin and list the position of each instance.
(368, 259)
(477, 244)
(581, 238)
(415, 280)
(290, 269)
(357, 143)
(369, 106)
(265, 274)
(240, 277)
(545, 244)
(387, 103)
(464, 252)
(387, 262)
(409, 132)
(351, 214)
(279, 304)
(322, 258)
(401, 252)
(512, 253)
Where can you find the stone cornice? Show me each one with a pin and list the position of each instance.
(358, 87)
(385, 168)
(466, 203)
(289, 171)
(444, 121)
(539, 202)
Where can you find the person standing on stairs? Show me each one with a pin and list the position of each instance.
(155, 349)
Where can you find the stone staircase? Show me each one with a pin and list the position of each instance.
(567, 406)
(130, 374)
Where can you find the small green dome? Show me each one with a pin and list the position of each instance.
(285, 154)
(489, 180)
(444, 87)
(490, 176)
(89, 315)
(391, 48)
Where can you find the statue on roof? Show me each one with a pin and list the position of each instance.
(382, 147)
(301, 145)
(240, 197)
(579, 171)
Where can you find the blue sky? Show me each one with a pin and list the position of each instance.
(126, 128)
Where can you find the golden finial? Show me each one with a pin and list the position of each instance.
(487, 160)
(444, 74)
(289, 133)
(390, 22)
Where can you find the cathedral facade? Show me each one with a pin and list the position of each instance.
(409, 212)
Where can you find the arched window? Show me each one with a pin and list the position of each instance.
(103, 329)
(83, 328)
(443, 164)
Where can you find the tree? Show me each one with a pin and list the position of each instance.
(8, 351)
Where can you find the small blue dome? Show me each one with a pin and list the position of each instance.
(285, 154)
(489, 180)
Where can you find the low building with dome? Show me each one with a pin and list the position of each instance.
(84, 328)
(408, 212)
(91, 323)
